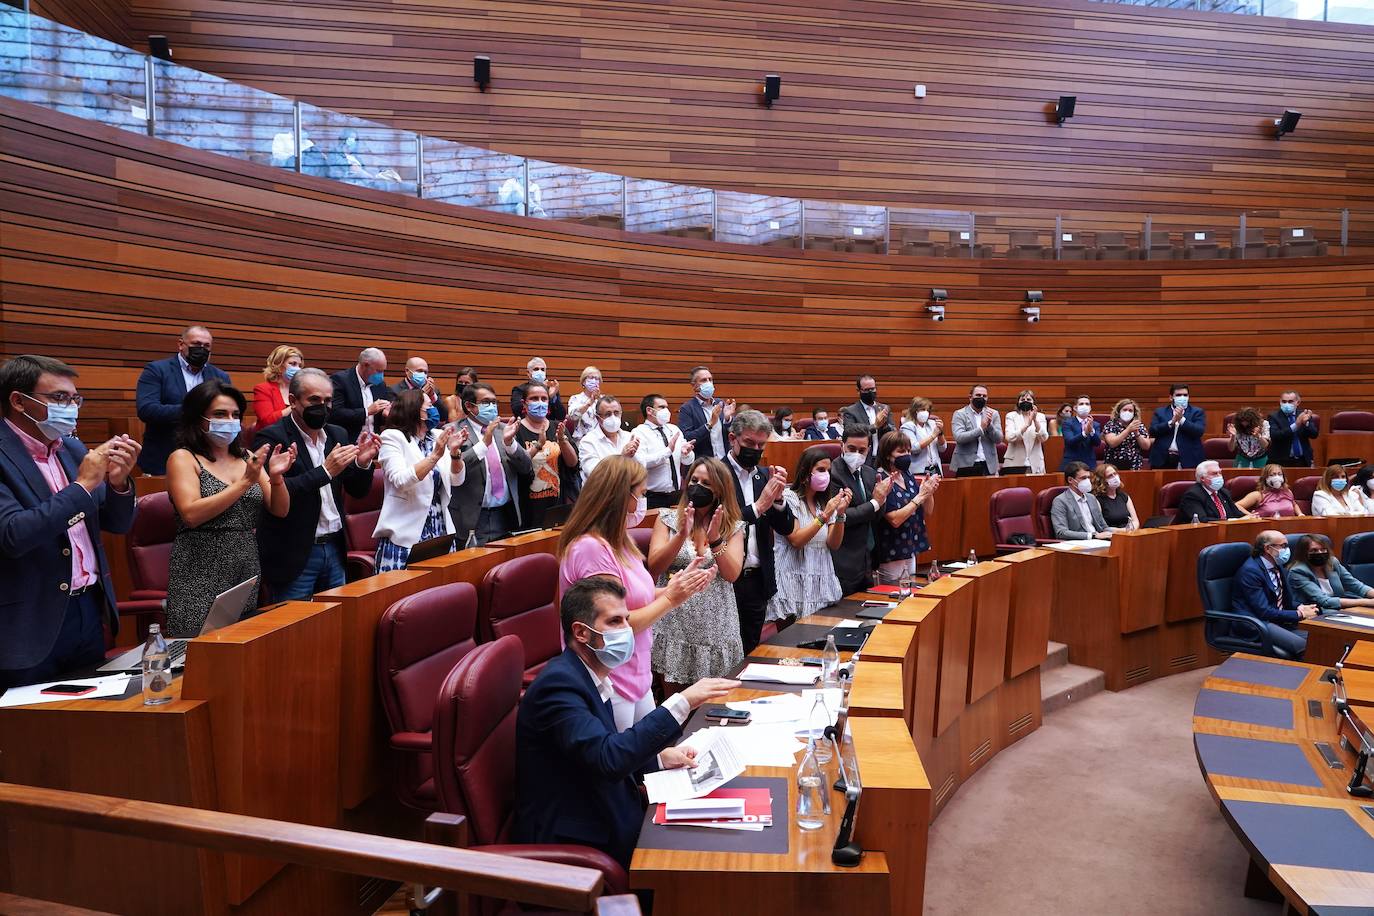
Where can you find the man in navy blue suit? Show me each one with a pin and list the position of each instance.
(1260, 589)
(577, 778)
(163, 386)
(705, 417)
(1177, 429)
(56, 497)
(1291, 431)
(820, 428)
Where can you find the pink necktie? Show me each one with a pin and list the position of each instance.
(495, 474)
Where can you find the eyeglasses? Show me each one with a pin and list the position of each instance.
(59, 397)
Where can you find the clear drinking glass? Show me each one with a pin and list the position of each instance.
(813, 795)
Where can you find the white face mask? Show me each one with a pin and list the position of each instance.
(1083, 410)
(1127, 416)
(610, 424)
(786, 425)
(637, 515)
(1114, 481)
(1085, 486)
(922, 416)
(661, 416)
(1276, 481)
(853, 459)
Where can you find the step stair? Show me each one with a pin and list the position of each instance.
(1063, 683)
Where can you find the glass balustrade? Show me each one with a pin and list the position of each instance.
(61, 69)
(1352, 11)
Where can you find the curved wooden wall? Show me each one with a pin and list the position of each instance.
(1175, 109)
(110, 242)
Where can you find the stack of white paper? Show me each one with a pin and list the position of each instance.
(696, 809)
(772, 745)
(1088, 544)
(109, 686)
(780, 674)
(716, 765)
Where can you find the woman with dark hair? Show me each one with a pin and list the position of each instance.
(1363, 484)
(805, 573)
(901, 535)
(218, 490)
(550, 451)
(1317, 577)
(1248, 436)
(419, 471)
(782, 425)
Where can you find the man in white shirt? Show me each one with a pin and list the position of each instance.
(303, 553)
(1076, 514)
(977, 430)
(607, 439)
(665, 453)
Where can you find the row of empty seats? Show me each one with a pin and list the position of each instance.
(1162, 245)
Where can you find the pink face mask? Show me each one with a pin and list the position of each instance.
(820, 481)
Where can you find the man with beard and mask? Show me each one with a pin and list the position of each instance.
(977, 430)
(759, 492)
(868, 411)
(853, 559)
(303, 553)
(163, 386)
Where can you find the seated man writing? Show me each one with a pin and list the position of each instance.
(1260, 589)
(577, 778)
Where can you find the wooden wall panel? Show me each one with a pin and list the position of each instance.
(108, 19)
(1175, 108)
(110, 242)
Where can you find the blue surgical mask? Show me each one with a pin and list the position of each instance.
(537, 409)
(1181, 400)
(61, 420)
(487, 413)
(376, 378)
(707, 389)
(291, 371)
(618, 646)
(1338, 484)
(224, 431)
(1284, 556)
(1216, 482)
(432, 416)
(418, 378)
(1288, 408)
(538, 375)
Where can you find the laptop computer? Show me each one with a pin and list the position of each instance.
(847, 639)
(226, 609)
(557, 516)
(428, 550)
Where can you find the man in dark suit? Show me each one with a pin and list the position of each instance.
(759, 493)
(1291, 431)
(1177, 429)
(360, 393)
(303, 553)
(1208, 499)
(854, 560)
(577, 778)
(1260, 589)
(705, 417)
(820, 428)
(486, 507)
(417, 378)
(162, 387)
(869, 411)
(56, 497)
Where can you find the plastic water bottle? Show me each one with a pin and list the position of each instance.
(817, 722)
(904, 586)
(972, 557)
(157, 669)
(813, 795)
(830, 663)
(1196, 520)
(934, 572)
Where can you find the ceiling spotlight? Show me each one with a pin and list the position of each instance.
(772, 89)
(939, 295)
(481, 71)
(1063, 109)
(1286, 124)
(159, 47)
(1034, 295)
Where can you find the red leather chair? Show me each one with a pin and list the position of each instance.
(1043, 499)
(1009, 512)
(804, 424)
(947, 453)
(419, 640)
(149, 547)
(642, 537)
(1303, 488)
(1360, 421)
(1170, 495)
(1219, 450)
(520, 598)
(831, 448)
(1242, 486)
(475, 711)
(359, 521)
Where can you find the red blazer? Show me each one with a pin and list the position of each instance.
(268, 404)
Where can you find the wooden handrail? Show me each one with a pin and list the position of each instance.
(545, 884)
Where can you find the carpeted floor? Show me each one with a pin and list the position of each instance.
(1101, 811)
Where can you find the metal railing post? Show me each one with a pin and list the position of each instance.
(419, 165)
(887, 230)
(1058, 236)
(802, 204)
(1345, 231)
(972, 231)
(715, 214)
(150, 95)
(1148, 238)
(624, 204)
(1244, 236)
(525, 195)
(296, 126)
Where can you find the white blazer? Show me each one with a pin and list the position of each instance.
(406, 500)
(1348, 503)
(1025, 441)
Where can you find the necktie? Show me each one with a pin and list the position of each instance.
(672, 459)
(1221, 510)
(495, 474)
(1297, 444)
(1278, 586)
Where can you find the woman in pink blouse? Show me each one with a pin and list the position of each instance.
(1271, 497)
(596, 542)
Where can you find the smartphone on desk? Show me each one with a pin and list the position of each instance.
(727, 714)
(68, 690)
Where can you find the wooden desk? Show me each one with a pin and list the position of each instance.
(469, 565)
(1343, 444)
(1327, 639)
(1031, 601)
(522, 545)
(1256, 747)
(1361, 656)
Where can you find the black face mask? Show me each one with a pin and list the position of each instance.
(700, 497)
(1025, 405)
(1318, 559)
(980, 403)
(748, 458)
(315, 416)
(197, 356)
(902, 462)
(869, 397)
